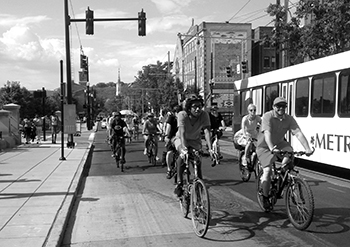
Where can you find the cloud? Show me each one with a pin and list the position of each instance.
(171, 6)
(20, 42)
(10, 20)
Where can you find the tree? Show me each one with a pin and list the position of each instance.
(316, 30)
(158, 86)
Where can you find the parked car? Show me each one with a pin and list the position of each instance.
(104, 123)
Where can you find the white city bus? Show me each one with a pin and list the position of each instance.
(318, 96)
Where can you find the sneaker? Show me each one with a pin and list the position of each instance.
(145, 151)
(178, 190)
(168, 175)
(113, 155)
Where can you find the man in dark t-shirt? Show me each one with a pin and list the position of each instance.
(119, 128)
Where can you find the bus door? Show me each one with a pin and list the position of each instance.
(287, 93)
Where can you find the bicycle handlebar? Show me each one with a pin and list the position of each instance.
(295, 153)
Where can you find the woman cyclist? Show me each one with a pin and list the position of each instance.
(149, 128)
(250, 127)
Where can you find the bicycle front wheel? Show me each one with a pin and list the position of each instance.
(299, 203)
(200, 208)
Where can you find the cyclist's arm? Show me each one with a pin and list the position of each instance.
(301, 137)
(207, 136)
(182, 137)
(144, 127)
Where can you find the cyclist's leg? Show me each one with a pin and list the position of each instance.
(285, 146)
(145, 137)
(156, 147)
(123, 150)
(266, 159)
(247, 151)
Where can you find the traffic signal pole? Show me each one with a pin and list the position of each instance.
(89, 20)
(70, 142)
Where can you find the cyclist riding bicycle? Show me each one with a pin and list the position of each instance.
(118, 129)
(250, 128)
(149, 128)
(170, 132)
(275, 124)
(217, 124)
(190, 123)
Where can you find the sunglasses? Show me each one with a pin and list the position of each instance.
(281, 106)
(252, 110)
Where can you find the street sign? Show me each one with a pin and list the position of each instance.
(69, 119)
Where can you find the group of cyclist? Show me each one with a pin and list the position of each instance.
(268, 135)
(184, 126)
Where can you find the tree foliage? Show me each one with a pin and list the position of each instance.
(12, 92)
(315, 30)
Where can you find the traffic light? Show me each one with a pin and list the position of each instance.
(244, 67)
(228, 71)
(142, 23)
(89, 21)
(84, 62)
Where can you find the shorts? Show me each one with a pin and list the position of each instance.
(265, 156)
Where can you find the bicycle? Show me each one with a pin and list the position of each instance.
(151, 149)
(245, 171)
(299, 198)
(195, 196)
(135, 132)
(118, 151)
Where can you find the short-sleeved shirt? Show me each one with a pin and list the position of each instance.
(193, 128)
(277, 127)
(118, 126)
(172, 121)
(251, 126)
(215, 121)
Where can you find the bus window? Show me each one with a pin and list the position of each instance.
(344, 94)
(245, 101)
(302, 97)
(271, 92)
(257, 100)
(323, 95)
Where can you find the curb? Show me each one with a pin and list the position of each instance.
(56, 233)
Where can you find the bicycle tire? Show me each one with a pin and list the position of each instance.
(299, 203)
(200, 208)
(185, 197)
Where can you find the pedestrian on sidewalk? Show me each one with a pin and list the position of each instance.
(38, 122)
(54, 127)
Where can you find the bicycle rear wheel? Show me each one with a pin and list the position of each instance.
(300, 203)
(200, 208)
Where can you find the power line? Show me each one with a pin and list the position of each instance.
(239, 10)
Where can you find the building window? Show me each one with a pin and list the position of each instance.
(273, 62)
(267, 62)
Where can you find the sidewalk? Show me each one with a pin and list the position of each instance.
(37, 190)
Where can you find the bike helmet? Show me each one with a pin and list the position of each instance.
(150, 114)
(192, 99)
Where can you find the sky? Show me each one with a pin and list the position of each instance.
(32, 36)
